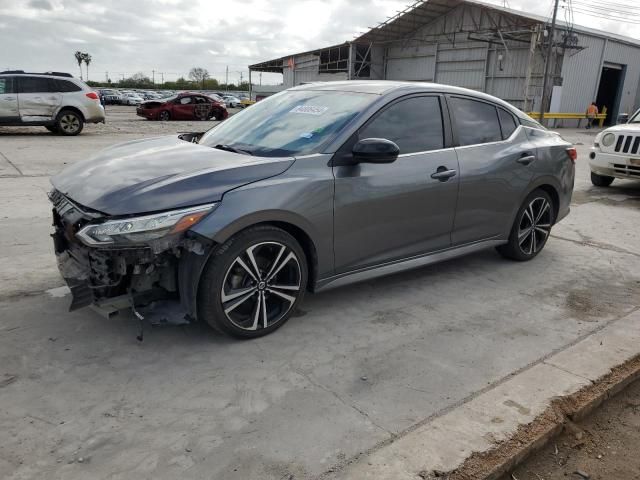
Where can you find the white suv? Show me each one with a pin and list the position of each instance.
(57, 101)
(616, 153)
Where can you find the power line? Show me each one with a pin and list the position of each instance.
(606, 10)
(613, 5)
(606, 17)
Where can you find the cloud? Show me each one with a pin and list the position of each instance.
(171, 36)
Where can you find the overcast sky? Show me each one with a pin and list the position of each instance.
(171, 36)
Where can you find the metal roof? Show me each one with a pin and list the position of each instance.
(277, 64)
(422, 12)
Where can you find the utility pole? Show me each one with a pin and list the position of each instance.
(162, 78)
(547, 62)
(153, 77)
(226, 78)
(240, 79)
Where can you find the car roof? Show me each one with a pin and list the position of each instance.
(384, 87)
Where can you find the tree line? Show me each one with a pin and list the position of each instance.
(198, 79)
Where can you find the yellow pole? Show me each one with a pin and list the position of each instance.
(604, 112)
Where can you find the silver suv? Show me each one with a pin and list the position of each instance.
(57, 101)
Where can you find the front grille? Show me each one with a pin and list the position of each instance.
(627, 144)
(632, 170)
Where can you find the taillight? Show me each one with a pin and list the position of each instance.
(93, 96)
(573, 154)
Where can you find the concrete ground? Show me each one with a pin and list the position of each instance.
(358, 367)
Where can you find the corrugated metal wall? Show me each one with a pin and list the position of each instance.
(306, 70)
(628, 55)
(584, 69)
(452, 58)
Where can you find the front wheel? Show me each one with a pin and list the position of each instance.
(253, 282)
(601, 180)
(531, 228)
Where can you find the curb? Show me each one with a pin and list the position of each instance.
(493, 432)
(508, 455)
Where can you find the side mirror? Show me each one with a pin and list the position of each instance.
(375, 150)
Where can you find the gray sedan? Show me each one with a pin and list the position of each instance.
(312, 188)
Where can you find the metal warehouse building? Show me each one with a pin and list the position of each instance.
(488, 48)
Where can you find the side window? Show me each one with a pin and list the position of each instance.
(35, 85)
(185, 100)
(476, 122)
(415, 124)
(66, 86)
(6, 85)
(507, 123)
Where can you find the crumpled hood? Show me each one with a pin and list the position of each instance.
(160, 174)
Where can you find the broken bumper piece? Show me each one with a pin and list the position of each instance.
(139, 278)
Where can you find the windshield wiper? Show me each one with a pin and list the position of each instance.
(229, 148)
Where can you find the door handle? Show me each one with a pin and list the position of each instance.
(526, 159)
(443, 174)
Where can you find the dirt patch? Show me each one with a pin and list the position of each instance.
(595, 298)
(558, 417)
(603, 446)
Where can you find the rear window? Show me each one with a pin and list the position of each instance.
(66, 86)
(476, 122)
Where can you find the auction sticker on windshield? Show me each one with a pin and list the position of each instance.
(309, 109)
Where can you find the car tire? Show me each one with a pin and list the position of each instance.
(531, 228)
(601, 180)
(164, 116)
(52, 128)
(69, 123)
(260, 266)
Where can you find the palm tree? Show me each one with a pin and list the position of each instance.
(79, 58)
(87, 60)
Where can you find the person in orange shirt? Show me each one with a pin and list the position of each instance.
(592, 111)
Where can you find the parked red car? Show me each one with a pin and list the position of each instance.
(184, 106)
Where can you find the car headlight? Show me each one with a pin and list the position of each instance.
(608, 139)
(136, 230)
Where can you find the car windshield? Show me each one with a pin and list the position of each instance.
(289, 123)
(635, 118)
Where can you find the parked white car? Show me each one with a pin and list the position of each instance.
(616, 153)
(129, 98)
(232, 101)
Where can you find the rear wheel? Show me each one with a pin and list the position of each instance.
(164, 115)
(69, 123)
(601, 180)
(253, 282)
(531, 228)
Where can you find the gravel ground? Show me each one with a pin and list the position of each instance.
(601, 447)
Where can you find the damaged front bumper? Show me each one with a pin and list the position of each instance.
(158, 281)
